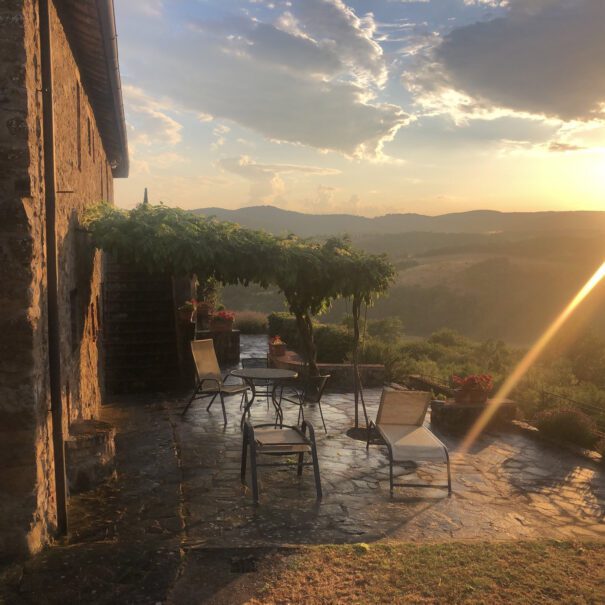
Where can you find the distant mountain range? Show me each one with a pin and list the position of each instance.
(277, 221)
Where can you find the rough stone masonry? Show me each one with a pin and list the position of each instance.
(83, 177)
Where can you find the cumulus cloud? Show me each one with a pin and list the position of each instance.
(542, 58)
(310, 77)
(266, 183)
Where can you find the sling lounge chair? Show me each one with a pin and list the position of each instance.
(400, 424)
(209, 381)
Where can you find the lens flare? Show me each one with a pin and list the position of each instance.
(529, 359)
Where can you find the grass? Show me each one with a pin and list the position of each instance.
(492, 573)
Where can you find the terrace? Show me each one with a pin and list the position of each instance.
(177, 504)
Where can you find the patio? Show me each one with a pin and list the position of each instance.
(176, 520)
(508, 487)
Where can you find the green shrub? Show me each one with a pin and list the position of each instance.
(388, 328)
(567, 424)
(333, 342)
(284, 325)
(250, 322)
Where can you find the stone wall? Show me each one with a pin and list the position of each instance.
(27, 506)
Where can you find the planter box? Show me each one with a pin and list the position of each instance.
(454, 417)
(221, 326)
(278, 350)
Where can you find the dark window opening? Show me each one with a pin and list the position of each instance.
(89, 131)
(79, 124)
(93, 321)
(75, 324)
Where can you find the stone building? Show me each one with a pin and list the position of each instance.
(62, 142)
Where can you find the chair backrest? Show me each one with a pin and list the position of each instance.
(206, 363)
(314, 387)
(255, 362)
(403, 407)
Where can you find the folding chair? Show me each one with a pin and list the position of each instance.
(209, 381)
(399, 422)
(309, 389)
(283, 441)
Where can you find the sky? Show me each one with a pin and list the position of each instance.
(364, 106)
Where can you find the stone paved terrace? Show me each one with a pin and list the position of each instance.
(508, 486)
(178, 492)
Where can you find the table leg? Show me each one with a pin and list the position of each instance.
(249, 403)
(279, 414)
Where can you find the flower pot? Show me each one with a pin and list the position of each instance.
(277, 350)
(220, 325)
(470, 396)
(187, 315)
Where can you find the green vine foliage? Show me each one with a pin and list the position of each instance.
(311, 275)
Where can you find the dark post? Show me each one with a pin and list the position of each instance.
(54, 348)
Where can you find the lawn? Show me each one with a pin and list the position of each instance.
(494, 573)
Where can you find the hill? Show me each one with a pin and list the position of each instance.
(277, 220)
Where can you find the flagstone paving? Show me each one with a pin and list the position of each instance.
(178, 492)
(507, 486)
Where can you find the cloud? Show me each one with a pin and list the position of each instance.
(543, 58)
(308, 78)
(149, 119)
(265, 180)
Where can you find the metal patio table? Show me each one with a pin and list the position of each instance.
(274, 375)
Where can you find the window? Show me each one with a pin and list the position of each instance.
(79, 124)
(89, 131)
(74, 320)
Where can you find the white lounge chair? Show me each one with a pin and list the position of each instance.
(399, 422)
(210, 383)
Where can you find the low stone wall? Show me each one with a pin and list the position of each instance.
(372, 375)
(89, 454)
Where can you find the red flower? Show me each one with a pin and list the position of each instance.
(474, 382)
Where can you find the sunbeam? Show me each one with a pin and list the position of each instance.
(529, 359)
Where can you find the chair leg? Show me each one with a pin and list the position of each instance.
(449, 474)
(316, 470)
(195, 391)
(223, 406)
(301, 457)
(244, 456)
(391, 474)
(254, 471)
(211, 402)
(322, 417)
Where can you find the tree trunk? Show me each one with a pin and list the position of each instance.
(305, 328)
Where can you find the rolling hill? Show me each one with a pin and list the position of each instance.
(277, 220)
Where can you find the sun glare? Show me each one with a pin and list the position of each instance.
(529, 359)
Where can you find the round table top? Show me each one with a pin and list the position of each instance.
(264, 373)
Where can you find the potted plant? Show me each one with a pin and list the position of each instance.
(277, 347)
(187, 311)
(222, 321)
(472, 389)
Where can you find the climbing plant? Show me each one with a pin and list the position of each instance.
(309, 274)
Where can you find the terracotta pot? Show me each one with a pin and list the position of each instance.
(278, 350)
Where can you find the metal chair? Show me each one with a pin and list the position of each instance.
(399, 422)
(282, 441)
(309, 389)
(210, 383)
